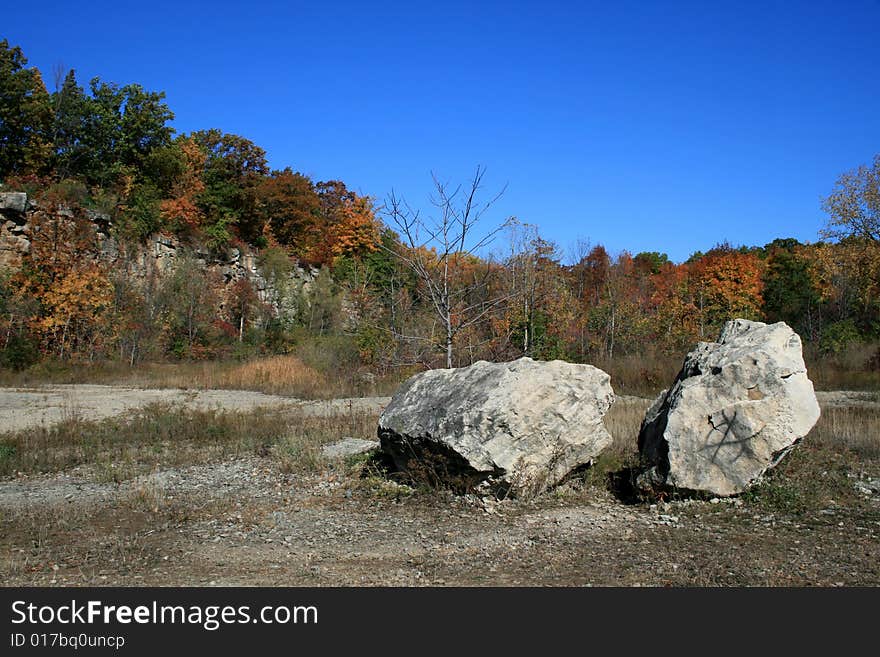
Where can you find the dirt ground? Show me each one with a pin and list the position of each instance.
(245, 522)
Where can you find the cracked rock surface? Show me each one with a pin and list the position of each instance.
(736, 408)
(519, 426)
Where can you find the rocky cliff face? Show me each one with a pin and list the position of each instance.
(18, 215)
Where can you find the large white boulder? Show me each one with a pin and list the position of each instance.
(519, 426)
(736, 408)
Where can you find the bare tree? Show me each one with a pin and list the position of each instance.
(439, 249)
(531, 266)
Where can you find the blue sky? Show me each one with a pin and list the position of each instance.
(641, 126)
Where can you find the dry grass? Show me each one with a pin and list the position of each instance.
(300, 449)
(623, 421)
(855, 368)
(644, 374)
(647, 373)
(158, 435)
(278, 375)
(163, 436)
(286, 375)
(128, 539)
(88, 540)
(317, 371)
(853, 429)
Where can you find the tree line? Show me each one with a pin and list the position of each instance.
(397, 288)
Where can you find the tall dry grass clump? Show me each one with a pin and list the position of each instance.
(623, 421)
(853, 428)
(163, 435)
(855, 368)
(276, 375)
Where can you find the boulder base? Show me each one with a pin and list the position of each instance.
(518, 427)
(736, 408)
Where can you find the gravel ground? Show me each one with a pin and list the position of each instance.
(246, 522)
(243, 523)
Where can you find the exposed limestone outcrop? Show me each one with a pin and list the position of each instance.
(18, 215)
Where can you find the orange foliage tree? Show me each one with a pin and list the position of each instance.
(289, 208)
(675, 315)
(727, 284)
(347, 225)
(181, 211)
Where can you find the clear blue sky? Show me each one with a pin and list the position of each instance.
(643, 126)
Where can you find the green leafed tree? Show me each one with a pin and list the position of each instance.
(789, 294)
(25, 115)
(107, 133)
(234, 167)
(70, 116)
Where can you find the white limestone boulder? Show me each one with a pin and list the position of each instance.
(516, 428)
(737, 407)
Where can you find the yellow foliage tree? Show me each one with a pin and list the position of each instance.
(73, 307)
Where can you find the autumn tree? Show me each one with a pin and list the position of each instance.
(676, 317)
(63, 275)
(289, 206)
(19, 346)
(234, 167)
(183, 165)
(381, 292)
(616, 315)
(137, 310)
(847, 278)
(538, 297)
(73, 307)
(354, 228)
(244, 307)
(727, 284)
(323, 304)
(189, 306)
(853, 206)
(438, 247)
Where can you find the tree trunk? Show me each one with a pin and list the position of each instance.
(448, 342)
